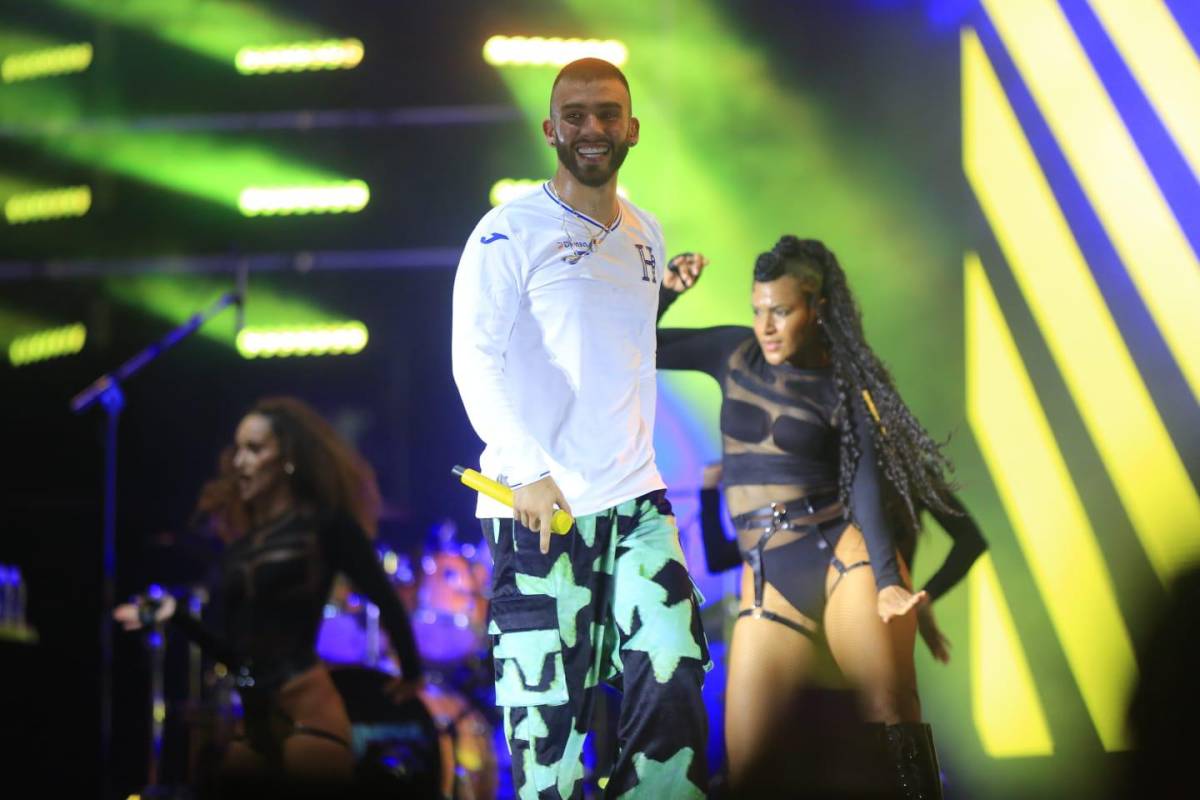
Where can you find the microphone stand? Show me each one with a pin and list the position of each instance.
(106, 392)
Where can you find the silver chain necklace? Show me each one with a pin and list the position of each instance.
(593, 240)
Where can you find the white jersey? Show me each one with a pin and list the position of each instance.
(553, 348)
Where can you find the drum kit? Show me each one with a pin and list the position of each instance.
(446, 596)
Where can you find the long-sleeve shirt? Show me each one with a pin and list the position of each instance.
(720, 552)
(968, 544)
(553, 340)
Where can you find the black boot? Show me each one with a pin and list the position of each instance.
(910, 746)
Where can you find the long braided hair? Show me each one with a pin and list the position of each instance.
(912, 462)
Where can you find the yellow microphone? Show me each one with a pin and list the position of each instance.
(481, 483)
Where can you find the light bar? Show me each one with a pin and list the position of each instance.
(336, 198)
(300, 57)
(46, 63)
(535, 51)
(342, 338)
(507, 189)
(70, 201)
(44, 345)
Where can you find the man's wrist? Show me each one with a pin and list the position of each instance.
(534, 478)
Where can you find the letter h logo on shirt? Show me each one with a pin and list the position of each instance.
(649, 265)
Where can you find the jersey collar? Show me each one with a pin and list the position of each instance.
(606, 228)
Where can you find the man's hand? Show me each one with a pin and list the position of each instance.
(896, 601)
(927, 625)
(683, 271)
(533, 507)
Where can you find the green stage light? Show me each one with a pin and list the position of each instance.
(176, 298)
(299, 57)
(47, 108)
(345, 198)
(44, 345)
(507, 189)
(346, 338)
(215, 29)
(13, 185)
(71, 201)
(536, 51)
(15, 323)
(46, 63)
(214, 168)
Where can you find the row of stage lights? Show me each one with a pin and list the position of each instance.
(45, 345)
(499, 51)
(327, 339)
(345, 197)
(343, 338)
(300, 57)
(46, 63)
(342, 197)
(295, 57)
(48, 204)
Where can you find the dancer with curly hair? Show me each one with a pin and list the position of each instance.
(295, 506)
(814, 436)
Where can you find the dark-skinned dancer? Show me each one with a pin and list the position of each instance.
(815, 438)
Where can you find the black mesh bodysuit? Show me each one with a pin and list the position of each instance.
(273, 588)
(779, 427)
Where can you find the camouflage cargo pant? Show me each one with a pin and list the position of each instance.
(612, 601)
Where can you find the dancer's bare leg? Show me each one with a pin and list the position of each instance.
(876, 657)
(769, 665)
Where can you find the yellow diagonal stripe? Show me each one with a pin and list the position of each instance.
(1105, 158)
(1157, 52)
(1114, 403)
(1004, 703)
(1046, 513)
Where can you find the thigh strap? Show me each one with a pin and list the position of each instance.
(758, 612)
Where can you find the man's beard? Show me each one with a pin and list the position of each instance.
(590, 175)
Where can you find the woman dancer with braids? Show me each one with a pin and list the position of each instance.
(812, 427)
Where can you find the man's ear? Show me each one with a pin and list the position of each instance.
(634, 131)
(548, 131)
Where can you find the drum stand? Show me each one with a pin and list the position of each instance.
(156, 645)
(156, 642)
(373, 644)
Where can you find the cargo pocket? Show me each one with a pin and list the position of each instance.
(527, 651)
